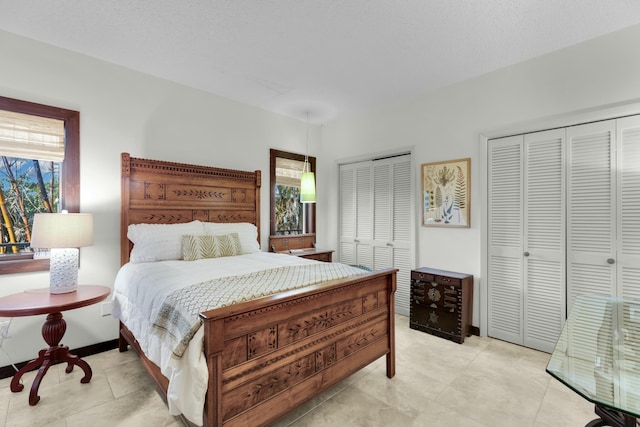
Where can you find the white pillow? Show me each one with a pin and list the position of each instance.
(247, 233)
(159, 242)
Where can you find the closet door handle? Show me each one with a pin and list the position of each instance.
(356, 241)
(611, 261)
(526, 254)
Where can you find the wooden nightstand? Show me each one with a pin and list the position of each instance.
(311, 253)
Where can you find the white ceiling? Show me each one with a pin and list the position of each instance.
(331, 58)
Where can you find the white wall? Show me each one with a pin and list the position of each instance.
(448, 124)
(126, 111)
(122, 110)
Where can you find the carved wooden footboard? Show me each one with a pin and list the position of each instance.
(267, 356)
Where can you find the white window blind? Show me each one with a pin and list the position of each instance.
(288, 172)
(31, 137)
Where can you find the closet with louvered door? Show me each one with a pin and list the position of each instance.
(402, 230)
(505, 247)
(526, 239)
(579, 191)
(356, 213)
(603, 253)
(604, 213)
(591, 210)
(628, 215)
(376, 219)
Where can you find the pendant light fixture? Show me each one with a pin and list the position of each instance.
(308, 180)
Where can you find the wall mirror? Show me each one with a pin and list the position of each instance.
(292, 224)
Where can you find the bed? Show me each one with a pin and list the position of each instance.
(268, 355)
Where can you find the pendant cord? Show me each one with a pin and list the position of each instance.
(306, 155)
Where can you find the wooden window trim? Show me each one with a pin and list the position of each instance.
(69, 171)
(310, 208)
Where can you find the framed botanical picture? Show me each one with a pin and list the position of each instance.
(445, 192)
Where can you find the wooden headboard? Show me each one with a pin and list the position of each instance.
(159, 192)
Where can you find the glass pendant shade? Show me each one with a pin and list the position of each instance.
(308, 179)
(308, 188)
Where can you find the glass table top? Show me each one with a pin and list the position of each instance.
(598, 352)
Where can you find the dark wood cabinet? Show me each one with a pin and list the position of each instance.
(441, 303)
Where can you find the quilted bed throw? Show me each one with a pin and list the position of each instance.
(178, 319)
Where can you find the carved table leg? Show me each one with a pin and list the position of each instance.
(75, 360)
(15, 381)
(52, 331)
(33, 394)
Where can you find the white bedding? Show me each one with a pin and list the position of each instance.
(139, 292)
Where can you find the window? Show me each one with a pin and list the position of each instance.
(23, 190)
(288, 215)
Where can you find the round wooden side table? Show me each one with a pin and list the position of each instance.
(41, 301)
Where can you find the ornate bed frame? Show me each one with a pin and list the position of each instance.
(267, 356)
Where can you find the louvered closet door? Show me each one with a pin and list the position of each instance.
(347, 210)
(505, 235)
(376, 198)
(356, 214)
(382, 192)
(628, 195)
(402, 230)
(392, 222)
(614, 235)
(591, 210)
(364, 215)
(544, 239)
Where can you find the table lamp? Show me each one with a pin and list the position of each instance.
(63, 233)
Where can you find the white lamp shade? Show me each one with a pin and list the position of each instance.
(308, 188)
(62, 230)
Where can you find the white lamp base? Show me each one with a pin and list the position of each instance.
(63, 270)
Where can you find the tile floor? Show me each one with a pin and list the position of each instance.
(482, 383)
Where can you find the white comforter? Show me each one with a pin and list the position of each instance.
(139, 291)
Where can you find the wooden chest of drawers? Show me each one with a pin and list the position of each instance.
(441, 303)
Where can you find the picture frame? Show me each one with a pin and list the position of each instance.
(446, 189)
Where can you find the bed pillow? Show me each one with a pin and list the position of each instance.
(208, 246)
(159, 242)
(247, 233)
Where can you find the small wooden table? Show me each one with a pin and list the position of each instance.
(325, 255)
(40, 301)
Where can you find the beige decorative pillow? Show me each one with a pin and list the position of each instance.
(207, 246)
